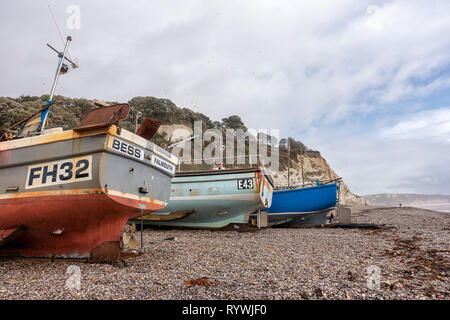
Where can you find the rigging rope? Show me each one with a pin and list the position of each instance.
(59, 31)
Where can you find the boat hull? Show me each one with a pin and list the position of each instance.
(303, 207)
(72, 193)
(215, 200)
(299, 219)
(73, 227)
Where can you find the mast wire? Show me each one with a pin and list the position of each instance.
(59, 31)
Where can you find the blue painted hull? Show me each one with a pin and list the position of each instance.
(303, 207)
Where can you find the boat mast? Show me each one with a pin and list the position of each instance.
(61, 56)
(58, 70)
(138, 115)
(303, 159)
(289, 162)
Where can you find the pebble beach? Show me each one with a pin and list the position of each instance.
(408, 258)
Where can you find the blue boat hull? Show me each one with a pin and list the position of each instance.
(304, 207)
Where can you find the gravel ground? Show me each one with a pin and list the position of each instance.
(316, 263)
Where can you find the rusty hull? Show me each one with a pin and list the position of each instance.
(82, 218)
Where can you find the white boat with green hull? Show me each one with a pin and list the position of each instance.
(215, 199)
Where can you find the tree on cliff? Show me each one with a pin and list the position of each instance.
(233, 122)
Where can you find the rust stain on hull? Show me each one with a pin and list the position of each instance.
(176, 215)
(86, 221)
(72, 226)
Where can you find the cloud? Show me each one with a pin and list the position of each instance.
(425, 125)
(406, 153)
(372, 164)
(302, 67)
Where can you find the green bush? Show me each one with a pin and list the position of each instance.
(70, 111)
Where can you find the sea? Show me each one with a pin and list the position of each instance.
(435, 207)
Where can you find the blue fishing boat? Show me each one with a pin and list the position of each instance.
(214, 199)
(303, 207)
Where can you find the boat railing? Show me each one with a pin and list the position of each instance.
(309, 184)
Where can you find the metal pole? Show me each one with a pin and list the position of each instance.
(339, 193)
(138, 115)
(258, 217)
(55, 82)
(74, 65)
(142, 237)
(289, 162)
(303, 176)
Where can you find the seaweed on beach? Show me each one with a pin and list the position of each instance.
(432, 263)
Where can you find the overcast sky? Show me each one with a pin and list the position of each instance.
(367, 83)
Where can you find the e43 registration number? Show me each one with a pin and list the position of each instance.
(245, 183)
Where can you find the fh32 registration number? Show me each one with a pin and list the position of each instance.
(59, 172)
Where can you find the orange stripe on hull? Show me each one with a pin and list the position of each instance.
(69, 225)
(117, 195)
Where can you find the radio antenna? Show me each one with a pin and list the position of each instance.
(60, 34)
